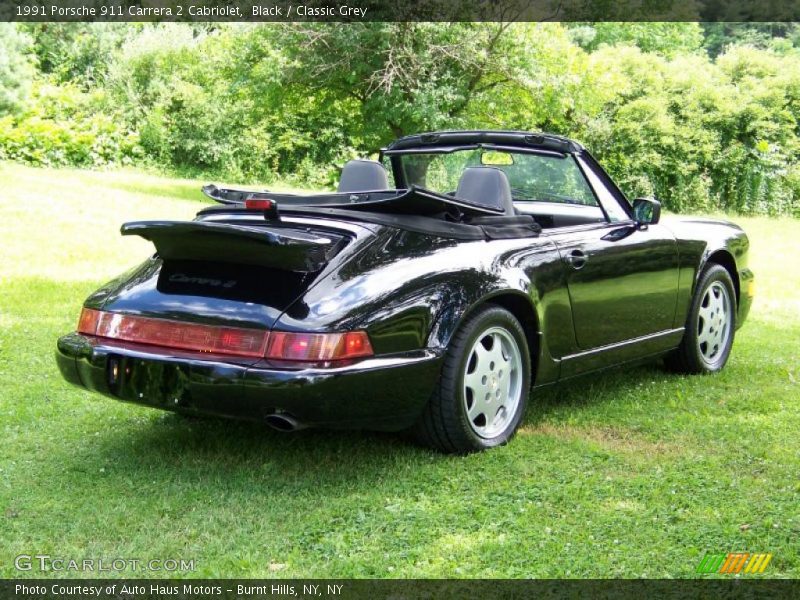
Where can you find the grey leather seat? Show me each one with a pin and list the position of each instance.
(363, 176)
(486, 186)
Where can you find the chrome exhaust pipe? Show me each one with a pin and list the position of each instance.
(283, 422)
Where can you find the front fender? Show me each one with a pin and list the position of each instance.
(701, 241)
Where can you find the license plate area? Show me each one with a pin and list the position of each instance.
(160, 384)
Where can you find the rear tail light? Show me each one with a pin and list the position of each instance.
(88, 321)
(318, 347)
(237, 341)
(174, 334)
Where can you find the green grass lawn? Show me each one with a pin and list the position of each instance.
(633, 473)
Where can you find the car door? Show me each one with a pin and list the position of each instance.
(622, 280)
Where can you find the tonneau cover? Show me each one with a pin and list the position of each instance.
(413, 201)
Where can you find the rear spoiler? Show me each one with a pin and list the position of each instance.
(218, 242)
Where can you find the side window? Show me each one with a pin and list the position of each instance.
(611, 205)
(540, 178)
(387, 164)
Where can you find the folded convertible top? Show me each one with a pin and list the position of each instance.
(415, 209)
(413, 201)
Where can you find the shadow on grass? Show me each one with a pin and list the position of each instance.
(243, 454)
(225, 446)
(594, 389)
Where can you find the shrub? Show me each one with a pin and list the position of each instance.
(78, 53)
(64, 126)
(699, 134)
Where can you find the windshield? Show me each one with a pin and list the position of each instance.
(532, 177)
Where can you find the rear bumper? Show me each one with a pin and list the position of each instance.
(381, 393)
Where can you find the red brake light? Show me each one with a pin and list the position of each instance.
(318, 347)
(259, 204)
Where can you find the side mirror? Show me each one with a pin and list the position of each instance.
(646, 211)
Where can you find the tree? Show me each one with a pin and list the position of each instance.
(667, 39)
(16, 68)
(405, 77)
(77, 52)
(719, 36)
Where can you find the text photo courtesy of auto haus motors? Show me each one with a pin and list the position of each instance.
(447, 300)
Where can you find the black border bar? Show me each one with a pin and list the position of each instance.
(403, 589)
(399, 10)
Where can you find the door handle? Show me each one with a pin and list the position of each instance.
(576, 259)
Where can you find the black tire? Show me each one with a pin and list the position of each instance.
(689, 357)
(445, 424)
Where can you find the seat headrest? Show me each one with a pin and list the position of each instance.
(363, 176)
(486, 186)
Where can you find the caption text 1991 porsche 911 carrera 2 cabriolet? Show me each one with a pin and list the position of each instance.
(430, 293)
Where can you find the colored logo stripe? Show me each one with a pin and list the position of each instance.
(711, 563)
(758, 563)
(734, 562)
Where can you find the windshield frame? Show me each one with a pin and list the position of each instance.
(399, 172)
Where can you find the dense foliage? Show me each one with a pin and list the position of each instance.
(703, 117)
(16, 69)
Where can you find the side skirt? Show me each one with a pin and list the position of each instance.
(620, 352)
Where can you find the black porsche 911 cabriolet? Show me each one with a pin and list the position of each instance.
(430, 293)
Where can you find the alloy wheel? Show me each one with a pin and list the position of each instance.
(714, 322)
(492, 382)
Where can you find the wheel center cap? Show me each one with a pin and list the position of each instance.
(494, 382)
